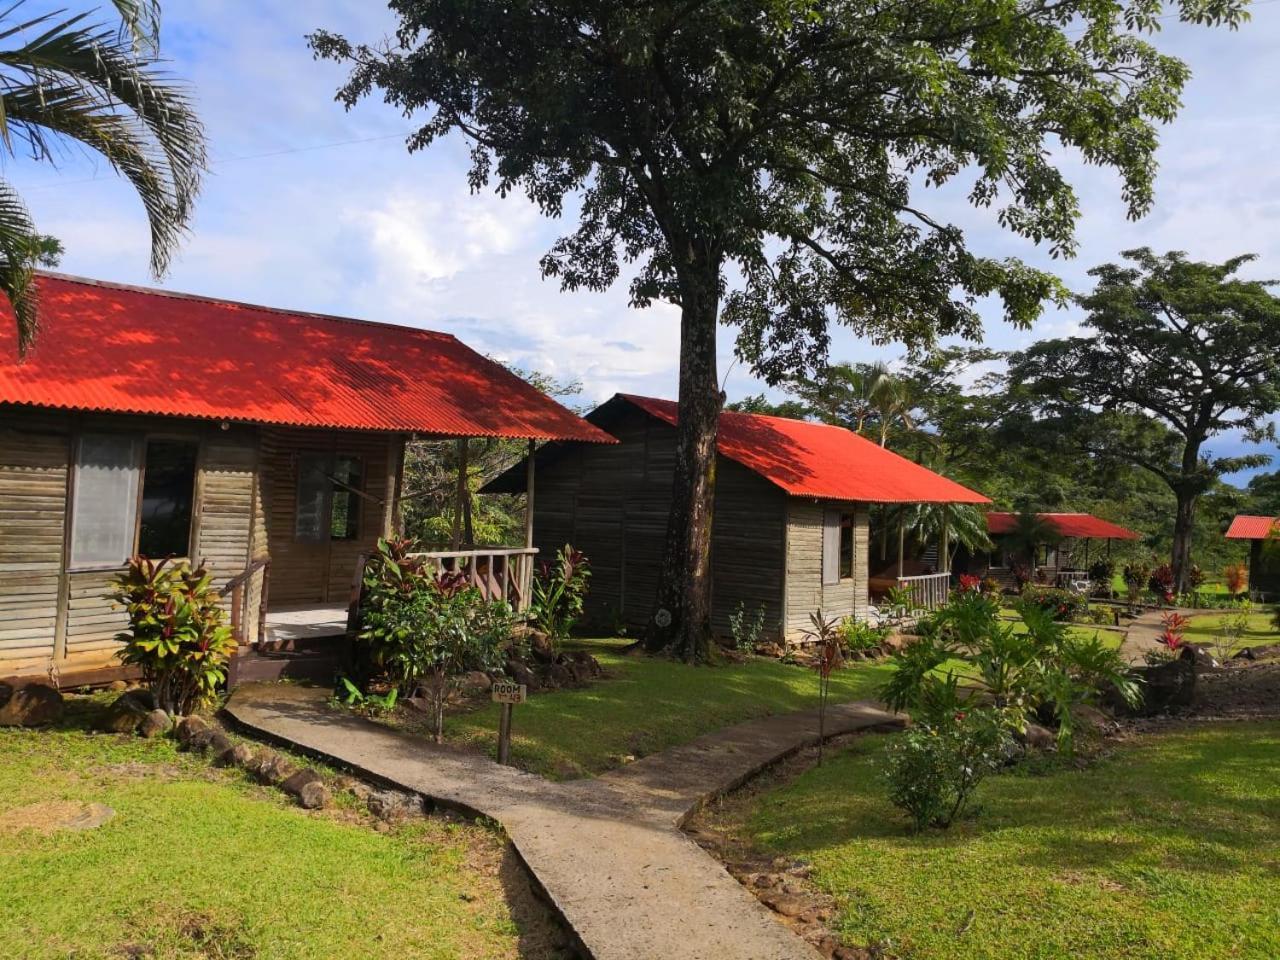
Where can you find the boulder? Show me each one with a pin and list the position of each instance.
(1246, 654)
(308, 788)
(240, 755)
(1200, 656)
(541, 646)
(390, 805)
(786, 904)
(117, 686)
(219, 743)
(1165, 687)
(30, 705)
(271, 768)
(475, 682)
(194, 732)
(1039, 738)
(583, 660)
(520, 673)
(126, 712)
(156, 723)
(1092, 720)
(558, 675)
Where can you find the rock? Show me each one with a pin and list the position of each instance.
(126, 712)
(475, 682)
(30, 705)
(219, 743)
(785, 904)
(1200, 656)
(271, 768)
(240, 755)
(357, 788)
(1246, 654)
(194, 732)
(420, 704)
(1165, 687)
(1039, 738)
(308, 787)
(558, 675)
(117, 686)
(764, 881)
(1092, 720)
(155, 724)
(390, 805)
(520, 673)
(541, 646)
(143, 697)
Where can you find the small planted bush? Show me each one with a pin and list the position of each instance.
(858, 636)
(1236, 576)
(746, 629)
(1161, 582)
(934, 768)
(178, 635)
(1061, 604)
(559, 591)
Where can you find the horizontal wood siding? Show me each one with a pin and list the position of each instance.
(805, 590)
(33, 490)
(613, 502)
(35, 469)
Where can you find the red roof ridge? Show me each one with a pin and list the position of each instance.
(226, 301)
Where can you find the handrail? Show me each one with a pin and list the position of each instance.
(476, 552)
(243, 576)
(235, 587)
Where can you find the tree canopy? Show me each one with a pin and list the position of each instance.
(1178, 352)
(794, 141)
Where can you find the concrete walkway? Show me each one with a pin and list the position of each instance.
(608, 852)
(1144, 633)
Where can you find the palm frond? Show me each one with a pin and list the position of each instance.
(65, 78)
(20, 249)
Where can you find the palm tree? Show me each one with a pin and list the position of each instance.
(103, 87)
(963, 524)
(893, 402)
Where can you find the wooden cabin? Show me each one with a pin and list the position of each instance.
(790, 533)
(1263, 534)
(1083, 539)
(265, 443)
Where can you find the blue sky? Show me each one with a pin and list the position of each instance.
(311, 207)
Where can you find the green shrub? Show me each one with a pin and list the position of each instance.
(559, 590)
(417, 626)
(177, 633)
(858, 636)
(1061, 604)
(746, 630)
(933, 769)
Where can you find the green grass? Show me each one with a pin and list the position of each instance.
(1261, 627)
(1171, 848)
(200, 863)
(648, 704)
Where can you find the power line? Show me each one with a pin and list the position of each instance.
(108, 175)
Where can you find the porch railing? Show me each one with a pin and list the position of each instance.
(928, 591)
(499, 573)
(238, 590)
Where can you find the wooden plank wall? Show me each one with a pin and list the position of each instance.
(306, 572)
(612, 502)
(805, 590)
(43, 632)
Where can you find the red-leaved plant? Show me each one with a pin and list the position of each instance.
(969, 583)
(1175, 624)
(826, 633)
(1236, 575)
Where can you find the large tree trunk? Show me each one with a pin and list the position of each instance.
(1183, 522)
(681, 621)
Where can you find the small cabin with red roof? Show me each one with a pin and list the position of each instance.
(790, 534)
(267, 444)
(1263, 534)
(1067, 559)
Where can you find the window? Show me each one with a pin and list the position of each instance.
(344, 517)
(109, 521)
(328, 504)
(105, 505)
(837, 546)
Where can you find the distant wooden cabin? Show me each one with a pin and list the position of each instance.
(1084, 538)
(1263, 534)
(790, 532)
(265, 443)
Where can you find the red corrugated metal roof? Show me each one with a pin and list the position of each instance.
(113, 348)
(1245, 527)
(817, 460)
(1067, 524)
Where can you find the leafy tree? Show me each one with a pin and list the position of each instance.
(1179, 351)
(1264, 494)
(759, 403)
(1029, 531)
(104, 87)
(793, 140)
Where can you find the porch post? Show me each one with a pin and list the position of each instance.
(902, 541)
(462, 493)
(944, 561)
(528, 485)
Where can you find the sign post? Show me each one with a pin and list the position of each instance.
(506, 693)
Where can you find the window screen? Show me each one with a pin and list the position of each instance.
(831, 547)
(168, 489)
(310, 523)
(345, 509)
(846, 546)
(105, 503)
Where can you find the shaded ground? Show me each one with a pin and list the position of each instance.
(1168, 848)
(643, 706)
(201, 863)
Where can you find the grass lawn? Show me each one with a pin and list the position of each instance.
(200, 863)
(1261, 627)
(1171, 848)
(647, 704)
